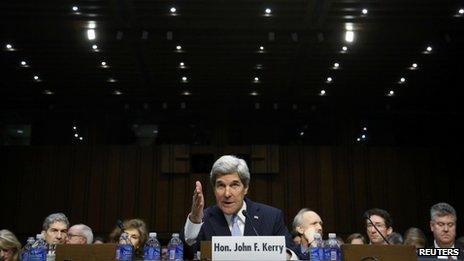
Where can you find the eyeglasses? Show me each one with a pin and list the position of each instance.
(378, 225)
(74, 235)
(8, 251)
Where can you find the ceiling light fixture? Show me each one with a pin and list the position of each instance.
(186, 93)
(329, 79)
(336, 66)
(402, 80)
(349, 36)
(91, 34)
(117, 92)
(75, 8)
(364, 11)
(461, 11)
(254, 93)
(322, 93)
(391, 93)
(48, 92)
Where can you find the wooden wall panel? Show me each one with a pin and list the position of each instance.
(97, 185)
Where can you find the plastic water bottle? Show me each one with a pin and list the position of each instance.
(27, 249)
(38, 250)
(124, 250)
(152, 249)
(317, 248)
(332, 248)
(175, 248)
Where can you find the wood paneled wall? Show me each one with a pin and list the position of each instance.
(96, 185)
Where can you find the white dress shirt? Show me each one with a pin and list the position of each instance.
(444, 257)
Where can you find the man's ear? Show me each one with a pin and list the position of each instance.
(300, 230)
(389, 231)
(246, 190)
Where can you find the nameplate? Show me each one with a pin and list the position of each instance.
(249, 248)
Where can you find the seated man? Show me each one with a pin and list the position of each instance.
(79, 234)
(443, 225)
(382, 221)
(307, 223)
(55, 228)
(230, 179)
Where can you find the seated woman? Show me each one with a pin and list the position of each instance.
(138, 235)
(356, 239)
(414, 236)
(9, 246)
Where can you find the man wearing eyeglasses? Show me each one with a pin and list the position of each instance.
(443, 226)
(382, 220)
(55, 228)
(79, 234)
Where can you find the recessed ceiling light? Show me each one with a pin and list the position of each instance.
(336, 65)
(461, 11)
(117, 92)
(91, 34)
(181, 64)
(76, 135)
(365, 129)
(402, 80)
(414, 65)
(261, 48)
(322, 93)
(363, 136)
(256, 79)
(268, 11)
(23, 63)
(74, 128)
(349, 27)
(184, 79)
(9, 46)
(349, 36)
(94, 46)
(429, 48)
(111, 80)
(254, 93)
(391, 93)
(358, 139)
(92, 25)
(259, 66)
(365, 11)
(329, 79)
(344, 48)
(48, 92)
(81, 138)
(103, 63)
(178, 47)
(173, 10)
(75, 8)
(186, 93)
(36, 77)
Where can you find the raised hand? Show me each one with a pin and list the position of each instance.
(198, 203)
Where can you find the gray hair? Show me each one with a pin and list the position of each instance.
(228, 164)
(298, 220)
(86, 232)
(442, 209)
(55, 217)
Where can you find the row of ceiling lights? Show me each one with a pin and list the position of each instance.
(349, 37)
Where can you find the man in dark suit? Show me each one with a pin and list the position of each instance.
(230, 179)
(443, 226)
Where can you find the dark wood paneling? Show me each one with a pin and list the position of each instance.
(97, 185)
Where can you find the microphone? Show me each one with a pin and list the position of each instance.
(366, 216)
(245, 213)
(120, 225)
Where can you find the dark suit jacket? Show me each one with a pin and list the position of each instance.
(268, 221)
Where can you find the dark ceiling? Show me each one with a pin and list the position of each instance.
(302, 39)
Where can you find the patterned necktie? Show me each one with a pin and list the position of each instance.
(235, 229)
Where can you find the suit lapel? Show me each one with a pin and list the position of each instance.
(253, 217)
(219, 223)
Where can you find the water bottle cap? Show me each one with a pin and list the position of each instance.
(332, 235)
(152, 234)
(175, 234)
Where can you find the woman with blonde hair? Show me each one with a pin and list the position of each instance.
(9, 246)
(414, 236)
